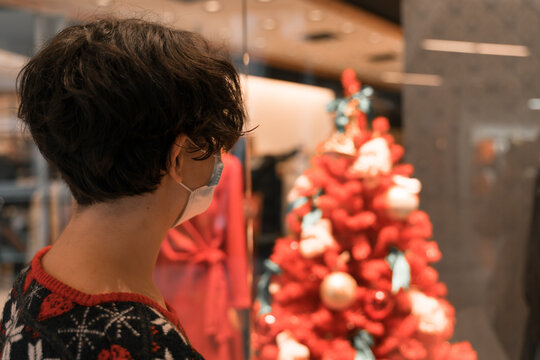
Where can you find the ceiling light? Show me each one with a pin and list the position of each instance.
(468, 47)
(315, 15)
(347, 28)
(411, 79)
(502, 49)
(264, 1)
(449, 46)
(212, 6)
(534, 104)
(269, 24)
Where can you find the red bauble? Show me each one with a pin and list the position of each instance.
(459, 351)
(413, 349)
(350, 84)
(269, 352)
(360, 248)
(381, 124)
(378, 304)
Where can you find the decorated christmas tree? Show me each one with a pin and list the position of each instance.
(353, 279)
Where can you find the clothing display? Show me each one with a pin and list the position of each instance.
(202, 269)
(46, 319)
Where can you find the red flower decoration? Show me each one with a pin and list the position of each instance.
(360, 248)
(350, 83)
(381, 125)
(54, 305)
(376, 272)
(294, 223)
(459, 351)
(397, 152)
(116, 352)
(269, 352)
(413, 349)
(327, 204)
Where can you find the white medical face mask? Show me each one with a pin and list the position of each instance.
(199, 199)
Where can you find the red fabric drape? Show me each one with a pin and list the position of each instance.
(202, 269)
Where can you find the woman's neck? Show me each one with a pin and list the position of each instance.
(111, 247)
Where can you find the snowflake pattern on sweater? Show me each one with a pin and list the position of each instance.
(44, 319)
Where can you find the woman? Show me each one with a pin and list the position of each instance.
(134, 115)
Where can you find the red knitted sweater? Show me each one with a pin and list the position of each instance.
(46, 319)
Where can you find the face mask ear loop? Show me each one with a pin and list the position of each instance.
(183, 148)
(185, 187)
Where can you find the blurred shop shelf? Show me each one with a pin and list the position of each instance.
(9, 256)
(12, 192)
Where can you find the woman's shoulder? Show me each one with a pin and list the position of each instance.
(39, 321)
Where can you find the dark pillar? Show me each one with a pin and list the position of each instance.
(474, 141)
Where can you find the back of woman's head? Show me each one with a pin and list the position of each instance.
(105, 102)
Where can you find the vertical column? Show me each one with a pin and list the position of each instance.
(475, 144)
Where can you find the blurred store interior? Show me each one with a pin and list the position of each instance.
(458, 81)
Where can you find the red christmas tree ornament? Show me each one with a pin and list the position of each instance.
(378, 304)
(350, 83)
(380, 125)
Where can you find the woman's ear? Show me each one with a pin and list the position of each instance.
(176, 157)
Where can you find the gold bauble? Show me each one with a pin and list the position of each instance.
(338, 290)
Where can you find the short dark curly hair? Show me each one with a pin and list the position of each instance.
(105, 101)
